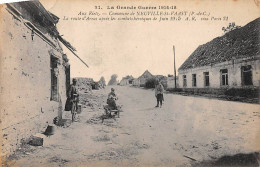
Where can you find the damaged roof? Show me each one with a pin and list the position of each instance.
(34, 12)
(34, 15)
(128, 77)
(239, 43)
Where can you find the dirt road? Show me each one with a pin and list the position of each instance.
(186, 130)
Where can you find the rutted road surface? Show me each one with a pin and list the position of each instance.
(185, 131)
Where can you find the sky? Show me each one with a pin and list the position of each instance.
(130, 48)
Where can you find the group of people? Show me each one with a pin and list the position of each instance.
(73, 95)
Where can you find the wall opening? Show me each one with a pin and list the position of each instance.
(206, 79)
(67, 73)
(184, 81)
(54, 79)
(246, 73)
(224, 77)
(194, 80)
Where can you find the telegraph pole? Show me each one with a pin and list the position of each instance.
(174, 67)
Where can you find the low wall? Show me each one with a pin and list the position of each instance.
(253, 92)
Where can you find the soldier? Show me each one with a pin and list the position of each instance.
(73, 94)
(159, 93)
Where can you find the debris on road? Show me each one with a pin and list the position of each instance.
(35, 141)
(49, 130)
(190, 158)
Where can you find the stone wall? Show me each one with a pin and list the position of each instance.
(26, 107)
(250, 95)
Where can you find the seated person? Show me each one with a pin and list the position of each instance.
(111, 101)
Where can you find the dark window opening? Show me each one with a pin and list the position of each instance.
(54, 79)
(184, 81)
(194, 81)
(224, 77)
(206, 78)
(67, 73)
(246, 72)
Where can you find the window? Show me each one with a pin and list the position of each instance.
(54, 79)
(246, 72)
(184, 81)
(194, 81)
(206, 79)
(224, 77)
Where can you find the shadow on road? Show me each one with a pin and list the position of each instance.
(238, 160)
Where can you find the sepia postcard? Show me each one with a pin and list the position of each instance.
(130, 83)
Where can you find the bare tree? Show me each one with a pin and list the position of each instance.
(113, 80)
(102, 82)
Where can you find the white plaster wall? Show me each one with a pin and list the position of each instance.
(234, 74)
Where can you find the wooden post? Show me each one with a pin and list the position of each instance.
(174, 67)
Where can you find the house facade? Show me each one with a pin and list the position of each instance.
(229, 61)
(171, 82)
(136, 82)
(143, 78)
(128, 80)
(236, 73)
(35, 72)
(124, 82)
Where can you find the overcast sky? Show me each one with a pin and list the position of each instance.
(130, 48)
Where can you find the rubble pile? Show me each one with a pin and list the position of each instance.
(89, 84)
(239, 43)
(95, 102)
(84, 84)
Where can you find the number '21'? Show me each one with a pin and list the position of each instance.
(98, 7)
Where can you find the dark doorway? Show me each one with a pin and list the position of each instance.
(246, 72)
(54, 78)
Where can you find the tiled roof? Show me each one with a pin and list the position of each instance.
(239, 43)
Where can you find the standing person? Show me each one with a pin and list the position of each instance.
(73, 93)
(159, 93)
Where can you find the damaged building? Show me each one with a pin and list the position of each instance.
(127, 80)
(140, 81)
(35, 72)
(229, 61)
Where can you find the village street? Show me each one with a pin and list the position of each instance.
(185, 131)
